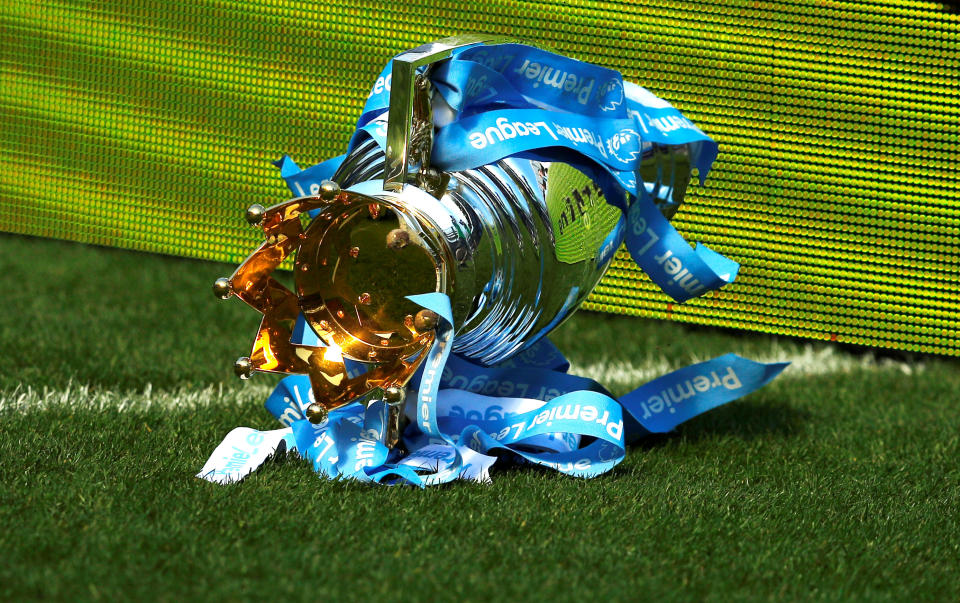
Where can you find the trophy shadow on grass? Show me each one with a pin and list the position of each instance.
(747, 421)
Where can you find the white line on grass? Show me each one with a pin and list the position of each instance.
(807, 361)
(804, 362)
(26, 398)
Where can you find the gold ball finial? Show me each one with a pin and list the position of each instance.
(393, 395)
(255, 214)
(222, 288)
(329, 190)
(425, 320)
(316, 413)
(243, 367)
(398, 238)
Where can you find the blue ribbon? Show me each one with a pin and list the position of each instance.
(507, 72)
(306, 182)
(681, 272)
(662, 404)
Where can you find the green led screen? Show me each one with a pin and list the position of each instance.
(151, 125)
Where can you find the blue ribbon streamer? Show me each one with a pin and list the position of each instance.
(681, 272)
(662, 404)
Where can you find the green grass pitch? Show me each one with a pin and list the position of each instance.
(839, 480)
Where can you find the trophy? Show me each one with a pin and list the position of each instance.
(516, 245)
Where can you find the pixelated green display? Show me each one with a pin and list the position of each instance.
(151, 125)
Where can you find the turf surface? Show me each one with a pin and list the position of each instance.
(837, 481)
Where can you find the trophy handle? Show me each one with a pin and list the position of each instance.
(410, 120)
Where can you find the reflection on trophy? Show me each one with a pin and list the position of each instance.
(516, 246)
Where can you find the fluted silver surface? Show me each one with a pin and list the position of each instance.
(508, 288)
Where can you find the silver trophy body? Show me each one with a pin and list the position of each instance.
(516, 246)
(507, 286)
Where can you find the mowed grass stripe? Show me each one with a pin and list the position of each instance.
(838, 480)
